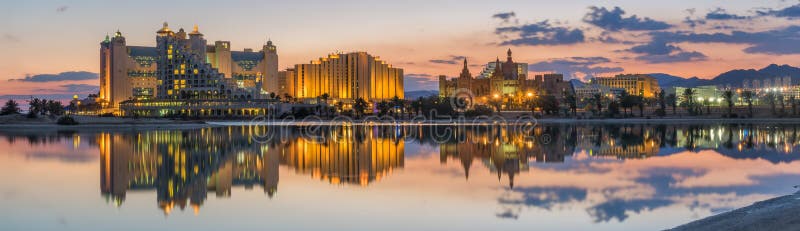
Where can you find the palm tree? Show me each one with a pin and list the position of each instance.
(672, 101)
(417, 105)
(573, 104)
(662, 103)
(640, 102)
(748, 97)
(688, 96)
(287, 97)
(11, 107)
(770, 98)
(323, 98)
(339, 106)
(359, 106)
(398, 103)
(728, 95)
(598, 100)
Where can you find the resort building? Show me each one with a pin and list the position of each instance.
(183, 66)
(586, 93)
(345, 77)
(507, 79)
(634, 84)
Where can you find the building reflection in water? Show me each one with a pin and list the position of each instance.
(183, 166)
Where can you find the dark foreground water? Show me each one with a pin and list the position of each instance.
(551, 177)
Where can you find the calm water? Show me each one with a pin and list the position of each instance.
(569, 177)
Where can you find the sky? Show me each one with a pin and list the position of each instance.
(52, 47)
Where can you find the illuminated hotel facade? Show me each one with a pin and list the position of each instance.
(633, 84)
(345, 77)
(183, 67)
(504, 79)
(184, 75)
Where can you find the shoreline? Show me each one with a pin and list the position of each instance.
(126, 123)
(778, 213)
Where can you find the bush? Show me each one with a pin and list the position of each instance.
(661, 112)
(31, 115)
(302, 113)
(66, 120)
(11, 107)
(479, 110)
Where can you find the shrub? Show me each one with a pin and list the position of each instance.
(11, 107)
(479, 110)
(661, 112)
(302, 113)
(66, 120)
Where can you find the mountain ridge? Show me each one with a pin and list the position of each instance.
(733, 78)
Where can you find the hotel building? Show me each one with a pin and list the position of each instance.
(181, 68)
(634, 84)
(184, 75)
(508, 78)
(345, 77)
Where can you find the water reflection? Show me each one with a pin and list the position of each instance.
(182, 166)
(611, 172)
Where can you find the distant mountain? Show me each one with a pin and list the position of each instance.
(667, 81)
(736, 77)
(733, 78)
(420, 93)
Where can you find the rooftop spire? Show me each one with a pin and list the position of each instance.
(465, 72)
(165, 29)
(195, 31)
(509, 56)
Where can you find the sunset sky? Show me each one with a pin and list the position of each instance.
(426, 38)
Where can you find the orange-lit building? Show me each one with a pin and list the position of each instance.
(633, 84)
(346, 77)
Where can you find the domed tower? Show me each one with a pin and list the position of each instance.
(197, 43)
(164, 31)
(509, 67)
(115, 86)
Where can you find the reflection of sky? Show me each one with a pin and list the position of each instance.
(59, 189)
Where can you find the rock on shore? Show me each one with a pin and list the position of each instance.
(777, 214)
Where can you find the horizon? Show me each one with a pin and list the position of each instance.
(578, 39)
